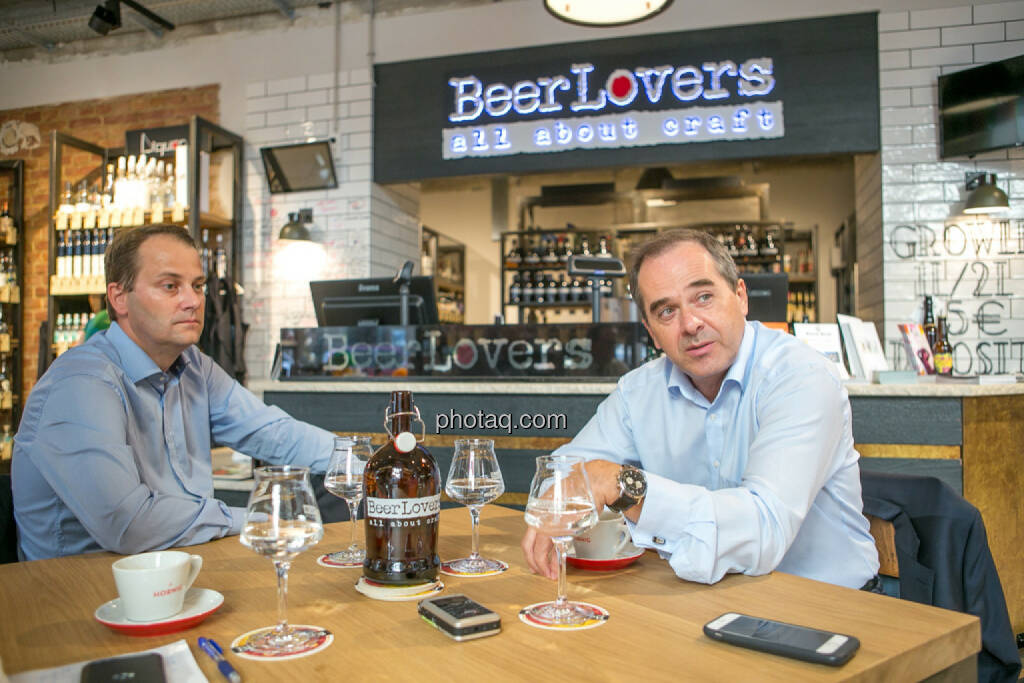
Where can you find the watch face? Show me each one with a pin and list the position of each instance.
(634, 483)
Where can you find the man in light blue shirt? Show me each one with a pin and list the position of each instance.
(113, 451)
(740, 435)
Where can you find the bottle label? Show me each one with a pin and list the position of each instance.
(943, 363)
(402, 511)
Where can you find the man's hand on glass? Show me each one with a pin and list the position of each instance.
(539, 551)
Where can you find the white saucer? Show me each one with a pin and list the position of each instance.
(199, 604)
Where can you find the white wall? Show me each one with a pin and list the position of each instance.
(923, 195)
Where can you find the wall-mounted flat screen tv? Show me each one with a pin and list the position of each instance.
(982, 109)
(301, 167)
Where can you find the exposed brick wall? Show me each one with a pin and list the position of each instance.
(101, 122)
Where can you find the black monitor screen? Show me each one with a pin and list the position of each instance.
(372, 301)
(294, 168)
(767, 296)
(982, 108)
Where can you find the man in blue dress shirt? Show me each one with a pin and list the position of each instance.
(733, 452)
(113, 451)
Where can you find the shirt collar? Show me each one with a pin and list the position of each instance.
(679, 383)
(135, 362)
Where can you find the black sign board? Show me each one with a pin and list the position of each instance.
(155, 142)
(455, 351)
(774, 89)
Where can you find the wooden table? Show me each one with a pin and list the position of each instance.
(654, 630)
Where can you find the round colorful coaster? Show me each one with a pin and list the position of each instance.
(330, 563)
(595, 617)
(380, 591)
(446, 568)
(321, 639)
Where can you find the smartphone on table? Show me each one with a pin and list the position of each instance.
(780, 638)
(147, 667)
(460, 617)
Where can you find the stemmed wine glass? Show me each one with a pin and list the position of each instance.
(344, 479)
(281, 521)
(561, 506)
(475, 480)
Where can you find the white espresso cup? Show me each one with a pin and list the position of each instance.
(605, 540)
(152, 586)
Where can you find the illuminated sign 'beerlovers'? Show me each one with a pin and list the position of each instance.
(613, 123)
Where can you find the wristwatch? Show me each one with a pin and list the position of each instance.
(632, 488)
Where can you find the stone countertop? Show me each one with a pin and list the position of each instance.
(600, 387)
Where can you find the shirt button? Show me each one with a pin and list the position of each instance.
(717, 464)
(713, 416)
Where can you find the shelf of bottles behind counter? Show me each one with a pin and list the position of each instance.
(536, 264)
(85, 222)
(9, 293)
(134, 192)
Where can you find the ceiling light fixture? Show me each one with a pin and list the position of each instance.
(605, 12)
(107, 17)
(985, 196)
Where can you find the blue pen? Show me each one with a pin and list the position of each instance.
(211, 648)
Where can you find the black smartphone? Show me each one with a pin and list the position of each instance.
(147, 667)
(788, 640)
(460, 617)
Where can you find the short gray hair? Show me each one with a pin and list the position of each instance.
(666, 240)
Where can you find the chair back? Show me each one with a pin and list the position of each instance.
(884, 533)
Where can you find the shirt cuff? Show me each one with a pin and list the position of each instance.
(237, 521)
(670, 510)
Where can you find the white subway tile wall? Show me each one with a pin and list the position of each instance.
(973, 267)
(359, 229)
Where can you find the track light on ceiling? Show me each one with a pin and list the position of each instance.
(107, 17)
(605, 12)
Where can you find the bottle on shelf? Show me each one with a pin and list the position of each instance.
(6, 443)
(515, 290)
(550, 256)
(204, 252)
(528, 291)
(514, 257)
(602, 246)
(220, 257)
(564, 250)
(564, 289)
(67, 199)
(532, 256)
(8, 231)
(585, 247)
(770, 245)
(403, 503)
(539, 289)
(929, 322)
(942, 352)
(578, 293)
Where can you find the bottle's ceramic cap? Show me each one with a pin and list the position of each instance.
(405, 442)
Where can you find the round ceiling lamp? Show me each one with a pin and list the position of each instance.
(605, 12)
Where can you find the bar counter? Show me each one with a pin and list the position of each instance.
(967, 435)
